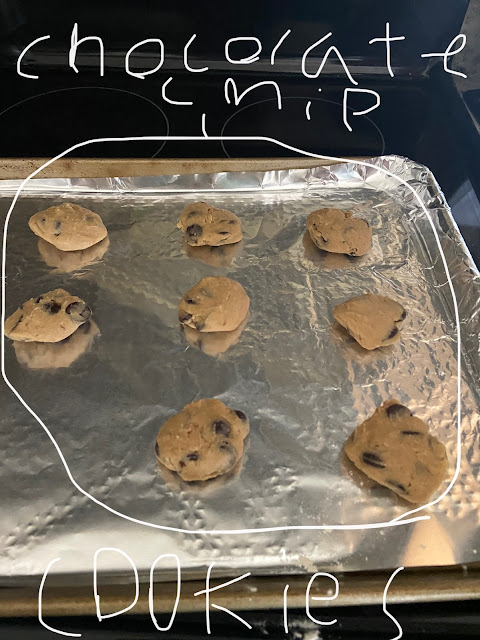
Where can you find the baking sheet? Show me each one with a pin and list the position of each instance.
(303, 385)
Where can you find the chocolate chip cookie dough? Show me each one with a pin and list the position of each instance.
(338, 231)
(203, 441)
(205, 225)
(215, 303)
(51, 317)
(373, 320)
(395, 449)
(69, 227)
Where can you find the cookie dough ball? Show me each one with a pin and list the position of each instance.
(216, 342)
(69, 227)
(374, 321)
(395, 449)
(203, 441)
(214, 256)
(214, 304)
(51, 317)
(57, 355)
(68, 261)
(206, 225)
(338, 231)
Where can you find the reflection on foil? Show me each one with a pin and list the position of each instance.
(68, 261)
(303, 387)
(57, 355)
(214, 343)
(222, 256)
(440, 544)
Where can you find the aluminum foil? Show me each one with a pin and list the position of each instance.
(304, 386)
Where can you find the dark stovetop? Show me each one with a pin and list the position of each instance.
(425, 119)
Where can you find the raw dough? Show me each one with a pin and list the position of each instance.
(68, 261)
(395, 449)
(51, 317)
(57, 355)
(337, 231)
(203, 441)
(206, 225)
(214, 304)
(69, 227)
(373, 320)
(215, 342)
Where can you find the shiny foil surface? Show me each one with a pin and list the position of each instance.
(302, 382)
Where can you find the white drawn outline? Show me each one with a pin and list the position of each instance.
(384, 604)
(40, 612)
(399, 520)
(96, 597)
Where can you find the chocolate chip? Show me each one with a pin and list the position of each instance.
(223, 233)
(190, 301)
(397, 485)
(222, 428)
(38, 299)
(58, 224)
(398, 410)
(79, 309)
(185, 317)
(52, 306)
(404, 315)
(240, 415)
(412, 433)
(392, 333)
(44, 220)
(181, 464)
(192, 456)
(157, 450)
(194, 231)
(373, 459)
(353, 252)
